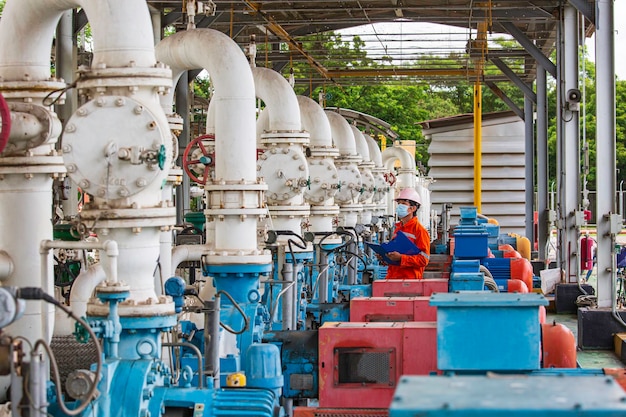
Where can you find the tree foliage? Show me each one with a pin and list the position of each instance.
(403, 106)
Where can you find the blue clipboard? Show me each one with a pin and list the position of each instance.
(401, 243)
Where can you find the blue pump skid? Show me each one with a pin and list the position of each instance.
(515, 396)
(478, 352)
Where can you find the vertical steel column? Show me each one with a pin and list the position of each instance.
(478, 120)
(568, 175)
(605, 149)
(529, 183)
(66, 63)
(182, 108)
(571, 113)
(543, 232)
(289, 278)
(557, 197)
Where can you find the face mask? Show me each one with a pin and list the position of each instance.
(402, 211)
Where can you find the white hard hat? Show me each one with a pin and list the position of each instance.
(411, 195)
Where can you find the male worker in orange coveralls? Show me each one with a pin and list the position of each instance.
(411, 266)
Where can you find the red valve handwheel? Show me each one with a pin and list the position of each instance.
(390, 178)
(207, 159)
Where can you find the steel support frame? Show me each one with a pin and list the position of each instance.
(605, 151)
(568, 148)
(529, 183)
(543, 219)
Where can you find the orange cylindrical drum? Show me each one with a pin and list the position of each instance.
(522, 269)
(516, 285)
(523, 247)
(559, 346)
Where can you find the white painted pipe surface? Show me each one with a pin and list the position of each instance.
(262, 126)
(122, 34)
(376, 155)
(396, 153)
(210, 119)
(360, 143)
(82, 291)
(315, 121)
(165, 260)
(406, 172)
(280, 100)
(234, 95)
(6, 265)
(183, 253)
(25, 223)
(343, 138)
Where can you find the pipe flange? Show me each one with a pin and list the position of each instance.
(244, 213)
(128, 218)
(32, 89)
(30, 165)
(32, 125)
(222, 185)
(351, 208)
(324, 152)
(161, 309)
(253, 259)
(291, 211)
(324, 210)
(281, 136)
(101, 78)
(349, 159)
(96, 147)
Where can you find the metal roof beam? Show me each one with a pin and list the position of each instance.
(171, 17)
(80, 20)
(402, 71)
(516, 80)
(496, 90)
(279, 31)
(530, 47)
(586, 9)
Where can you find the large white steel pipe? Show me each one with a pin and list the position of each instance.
(262, 126)
(82, 291)
(234, 96)
(406, 172)
(235, 139)
(279, 98)
(396, 153)
(25, 222)
(361, 145)
(122, 34)
(343, 137)
(315, 121)
(376, 154)
(184, 253)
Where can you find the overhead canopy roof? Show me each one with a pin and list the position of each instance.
(280, 25)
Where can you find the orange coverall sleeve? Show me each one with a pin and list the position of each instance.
(422, 240)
